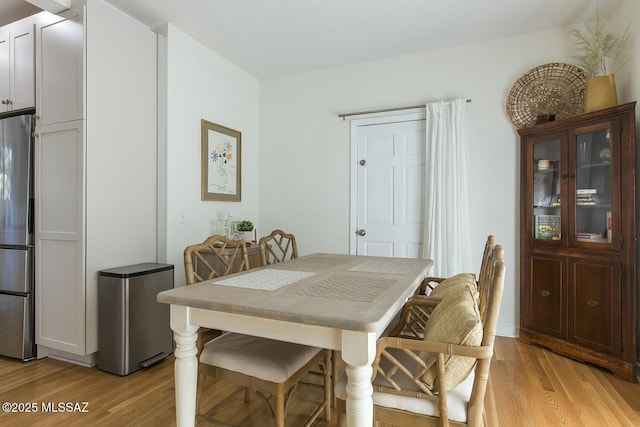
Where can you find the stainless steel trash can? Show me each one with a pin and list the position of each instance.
(133, 328)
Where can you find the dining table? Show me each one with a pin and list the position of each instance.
(332, 301)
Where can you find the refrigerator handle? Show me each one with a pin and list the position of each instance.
(30, 216)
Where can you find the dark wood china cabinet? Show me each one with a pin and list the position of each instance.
(578, 287)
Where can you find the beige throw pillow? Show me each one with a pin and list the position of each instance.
(455, 320)
(457, 283)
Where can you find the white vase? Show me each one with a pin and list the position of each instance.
(247, 236)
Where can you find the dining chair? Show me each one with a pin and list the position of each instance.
(270, 368)
(277, 247)
(440, 379)
(215, 257)
(280, 246)
(430, 283)
(414, 314)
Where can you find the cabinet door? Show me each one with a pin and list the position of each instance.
(543, 172)
(5, 77)
(594, 305)
(544, 298)
(22, 52)
(595, 189)
(59, 78)
(59, 235)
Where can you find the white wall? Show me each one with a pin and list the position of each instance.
(304, 147)
(623, 17)
(200, 84)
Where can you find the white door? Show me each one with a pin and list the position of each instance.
(387, 180)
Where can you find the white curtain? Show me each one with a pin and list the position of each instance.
(446, 230)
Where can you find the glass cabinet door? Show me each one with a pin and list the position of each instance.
(594, 186)
(547, 192)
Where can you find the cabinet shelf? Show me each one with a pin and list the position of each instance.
(594, 206)
(596, 165)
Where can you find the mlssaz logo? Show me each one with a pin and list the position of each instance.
(65, 407)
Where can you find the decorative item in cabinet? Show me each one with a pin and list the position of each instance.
(577, 238)
(547, 227)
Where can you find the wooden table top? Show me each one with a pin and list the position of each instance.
(339, 291)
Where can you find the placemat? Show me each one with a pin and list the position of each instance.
(310, 263)
(348, 287)
(265, 280)
(388, 267)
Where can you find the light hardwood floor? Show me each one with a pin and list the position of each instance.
(531, 387)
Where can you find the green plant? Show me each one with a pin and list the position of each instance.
(599, 52)
(245, 225)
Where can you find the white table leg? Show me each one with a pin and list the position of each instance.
(358, 351)
(186, 366)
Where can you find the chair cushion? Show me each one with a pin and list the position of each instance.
(454, 284)
(455, 320)
(270, 360)
(457, 399)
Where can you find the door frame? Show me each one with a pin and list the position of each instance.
(411, 114)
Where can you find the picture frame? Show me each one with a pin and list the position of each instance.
(221, 163)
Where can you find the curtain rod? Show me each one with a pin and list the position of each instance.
(384, 110)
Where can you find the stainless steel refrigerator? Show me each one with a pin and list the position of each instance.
(17, 337)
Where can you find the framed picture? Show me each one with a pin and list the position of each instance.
(221, 172)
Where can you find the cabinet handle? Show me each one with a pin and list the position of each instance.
(593, 304)
(545, 293)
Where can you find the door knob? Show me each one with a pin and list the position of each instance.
(361, 232)
(363, 162)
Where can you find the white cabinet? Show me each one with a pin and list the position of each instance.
(59, 188)
(59, 75)
(95, 181)
(5, 75)
(17, 67)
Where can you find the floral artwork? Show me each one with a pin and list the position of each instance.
(221, 162)
(222, 153)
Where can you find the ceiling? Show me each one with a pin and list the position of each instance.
(12, 10)
(268, 38)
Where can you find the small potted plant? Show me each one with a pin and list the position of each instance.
(600, 54)
(245, 229)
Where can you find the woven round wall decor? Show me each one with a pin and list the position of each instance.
(553, 88)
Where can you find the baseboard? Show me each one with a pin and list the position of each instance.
(507, 330)
(88, 361)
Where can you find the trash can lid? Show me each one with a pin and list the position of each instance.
(136, 270)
